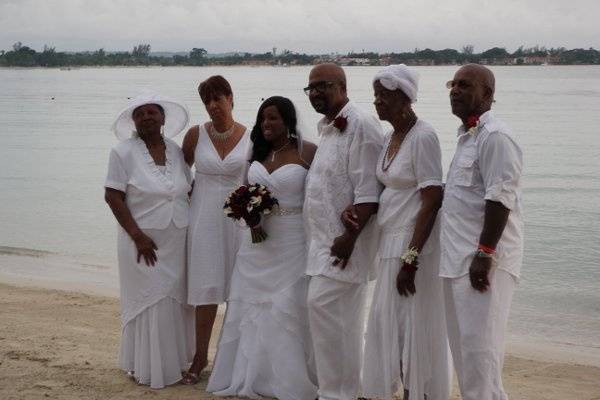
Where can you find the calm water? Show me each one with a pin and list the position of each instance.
(54, 152)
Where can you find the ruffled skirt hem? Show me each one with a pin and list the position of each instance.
(158, 344)
(265, 349)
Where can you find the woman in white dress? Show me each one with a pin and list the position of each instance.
(147, 189)
(265, 347)
(406, 341)
(218, 149)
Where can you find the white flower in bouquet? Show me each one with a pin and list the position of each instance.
(255, 200)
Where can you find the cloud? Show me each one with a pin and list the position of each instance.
(309, 26)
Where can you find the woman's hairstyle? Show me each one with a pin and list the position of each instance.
(214, 87)
(260, 146)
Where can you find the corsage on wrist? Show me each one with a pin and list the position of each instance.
(409, 258)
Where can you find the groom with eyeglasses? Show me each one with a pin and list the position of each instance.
(342, 174)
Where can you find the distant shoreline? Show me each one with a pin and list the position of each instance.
(74, 68)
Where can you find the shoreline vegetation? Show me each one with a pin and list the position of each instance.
(141, 55)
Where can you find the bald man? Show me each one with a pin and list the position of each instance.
(481, 235)
(342, 174)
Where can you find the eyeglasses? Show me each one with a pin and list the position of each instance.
(319, 87)
(461, 84)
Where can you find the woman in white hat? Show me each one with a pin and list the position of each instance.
(147, 189)
(406, 343)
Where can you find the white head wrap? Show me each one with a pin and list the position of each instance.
(394, 77)
(176, 116)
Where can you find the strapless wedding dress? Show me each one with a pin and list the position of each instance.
(265, 347)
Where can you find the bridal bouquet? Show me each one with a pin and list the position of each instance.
(249, 203)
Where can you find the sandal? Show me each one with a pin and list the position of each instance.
(190, 378)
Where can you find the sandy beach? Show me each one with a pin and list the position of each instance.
(63, 344)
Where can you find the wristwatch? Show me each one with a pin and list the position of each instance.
(483, 254)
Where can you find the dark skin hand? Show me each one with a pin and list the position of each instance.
(405, 280)
(496, 216)
(343, 245)
(144, 244)
(431, 201)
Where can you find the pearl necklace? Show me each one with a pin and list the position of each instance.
(221, 136)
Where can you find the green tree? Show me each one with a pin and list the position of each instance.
(141, 51)
(495, 53)
(198, 56)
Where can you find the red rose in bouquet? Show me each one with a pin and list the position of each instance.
(249, 203)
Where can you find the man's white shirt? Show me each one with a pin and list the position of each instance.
(487, 165)
(342, 173)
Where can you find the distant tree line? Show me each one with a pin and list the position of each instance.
(24, 56)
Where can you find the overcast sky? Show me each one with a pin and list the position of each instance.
(300, 25)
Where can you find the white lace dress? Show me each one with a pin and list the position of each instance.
(265, 347)
(213, 239)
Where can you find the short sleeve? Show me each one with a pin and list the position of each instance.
(362, 161)
(427, 159)
(116, 178)
(501, 164)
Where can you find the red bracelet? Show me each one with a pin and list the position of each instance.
(486, 249)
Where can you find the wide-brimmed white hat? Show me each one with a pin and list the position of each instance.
(176, 116)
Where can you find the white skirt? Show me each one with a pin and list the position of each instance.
(157, 344)
(406, 342)
(265, 347)
(157, 326)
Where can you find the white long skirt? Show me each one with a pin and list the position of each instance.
(406, 344)
(265, 347)
(157, 340)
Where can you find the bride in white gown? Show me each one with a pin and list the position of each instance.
(265, 348)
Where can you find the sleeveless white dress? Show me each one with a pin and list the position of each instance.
(213, 239)
(265, 347)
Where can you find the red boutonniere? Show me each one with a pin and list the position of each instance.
(472, 124)
(340, 123)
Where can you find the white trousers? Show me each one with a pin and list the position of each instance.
(476, 331)
(336, 318)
